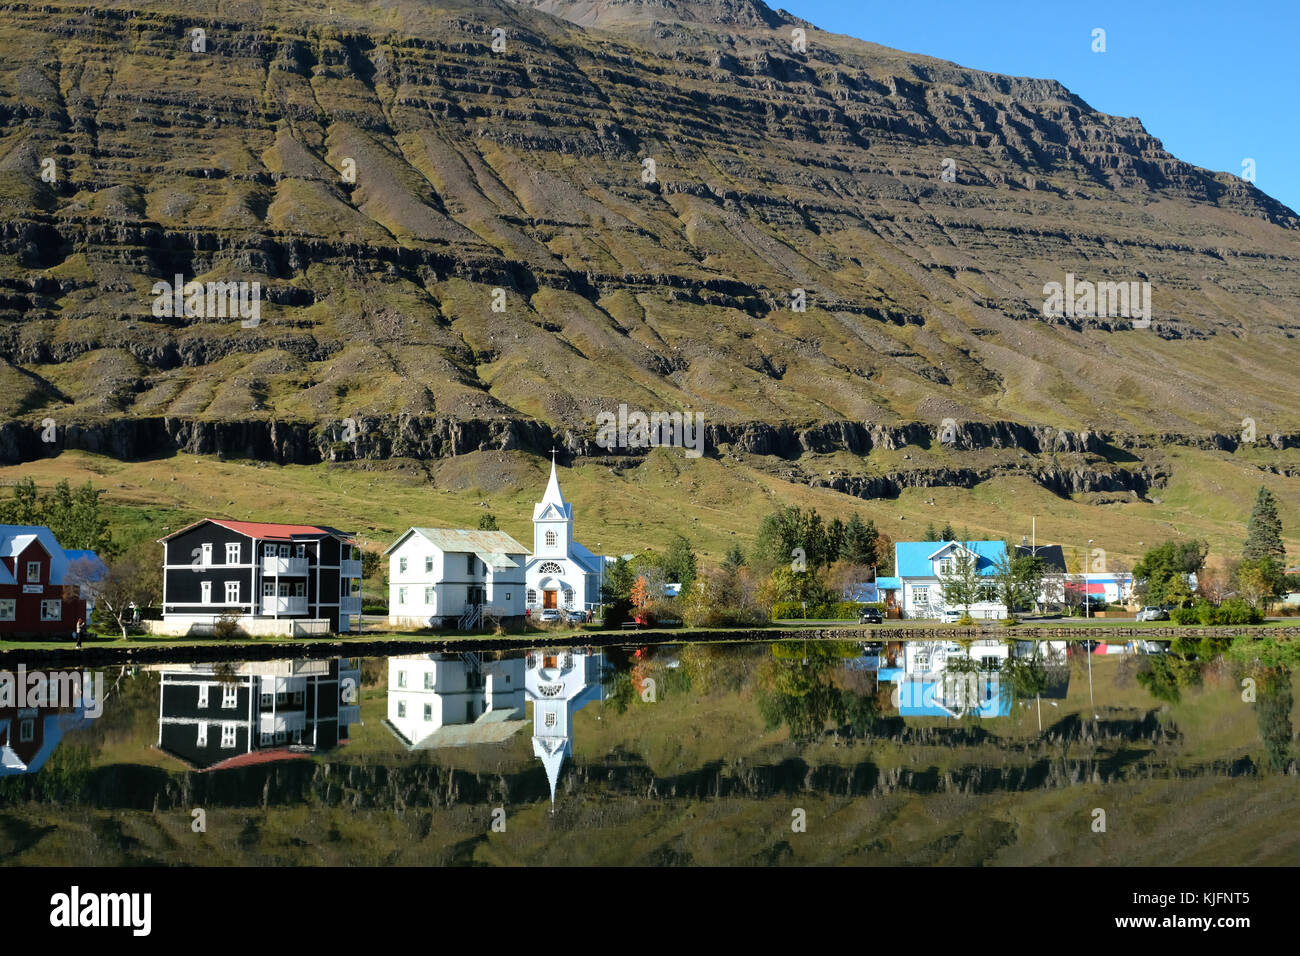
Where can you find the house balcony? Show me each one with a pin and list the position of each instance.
(287, 606)
(349, 605)
(291, 567)
(350, 568)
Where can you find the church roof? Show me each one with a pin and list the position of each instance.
(553, 497)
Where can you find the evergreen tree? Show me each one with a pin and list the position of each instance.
(930, 533)
(679, 563)
(488, 522)
(23, 508)
(947, 534)
(860, 541)
(734, 560)
(1264, 530)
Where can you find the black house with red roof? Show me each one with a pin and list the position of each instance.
(259, 572)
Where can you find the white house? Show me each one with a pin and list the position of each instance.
(450, 576)
(559, 683)
(454, 700)
(561, 573)
(919, 568)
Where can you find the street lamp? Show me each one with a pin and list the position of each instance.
(1087, 601)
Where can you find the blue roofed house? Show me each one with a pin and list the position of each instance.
(918, 566)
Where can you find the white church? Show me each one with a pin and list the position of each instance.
(559, 683)
(560, 574)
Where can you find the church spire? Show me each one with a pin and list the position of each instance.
(552, 496)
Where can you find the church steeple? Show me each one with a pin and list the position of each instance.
(553, 499)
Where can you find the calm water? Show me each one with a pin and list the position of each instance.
(791, 754)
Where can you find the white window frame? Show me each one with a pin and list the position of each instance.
(428, 712)
(232, 552)
(920, 594)
(57, 607)
(205, 592)
(401, 565)
(430, 680)
(401, 595)
(229, 697)
(8, 609)
(232, 586)
(205, 553)
(401, 678)
(401, 708)
(301, 552)
(202, 740)
(551, 539)
(428, 564)
(229, 736)
(430, 592)
(268, 550)
(268, 589)
(203, 694)
(33, 572)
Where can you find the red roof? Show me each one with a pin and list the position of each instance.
(263, 529)
(259, 757)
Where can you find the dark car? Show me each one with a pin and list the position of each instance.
(871, 616)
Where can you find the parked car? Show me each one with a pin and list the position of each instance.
(1153, 612)
(548, 614)
(1152, 647)
(951, 616)
(871, 615)
(573, 616)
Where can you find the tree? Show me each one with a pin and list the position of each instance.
(1017, 580)
(640, 593)
(961, 587)
(24, 507)
(1264, 530)
(1260, 581)
(734, 559)
(860, 539)
(1163, 570)
(679, 563)
(784, 531)
(835, 532)
(488, 522)
(947, 534)
(131, 581)
(930, 533)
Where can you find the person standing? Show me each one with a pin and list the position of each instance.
(81, 631)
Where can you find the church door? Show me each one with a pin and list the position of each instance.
(548, 599)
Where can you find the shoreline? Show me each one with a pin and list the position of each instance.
(108, 652)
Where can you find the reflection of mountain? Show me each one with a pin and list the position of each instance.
(28, 735)
(454, 700)
(218, 716)
(559, 683)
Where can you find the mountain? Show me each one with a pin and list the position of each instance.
(523, 170)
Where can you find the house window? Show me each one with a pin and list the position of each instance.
(301, 551)
(279, 737)
(203, 733)
(33, 571)
(227, 736)
(945, 566)
(401, 565)
(267, 699)
(507, 595)
(232, 554)
(8, 609)
(203, 695)
(469, 564)
(206, 554)
(921, 595)
(401, 595)
(428, 711)
(51, 610)
(401, 678)
(532, 597)
(229, 696)
(205, 592)
(428, 680)
(284, 589)
(550, 539)
(300, 589)
(428, 595)
(428, 565)
(269, 551)
(232, 592)
(401, 708)
(284, 550)
(26, 731)
(265, 739)
(298, 698)
(268, 589)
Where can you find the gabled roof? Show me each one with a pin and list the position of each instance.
(1052, 556)
(491, 547)
(16, 538)
(267, 531)
(912, 558)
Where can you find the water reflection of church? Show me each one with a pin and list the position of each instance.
(220, 716)
(457, 700)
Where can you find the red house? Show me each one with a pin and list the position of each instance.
(35, 597)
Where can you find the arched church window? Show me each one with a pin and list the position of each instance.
(550, 539)
(550, 567)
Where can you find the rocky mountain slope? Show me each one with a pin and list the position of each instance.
(469, 236)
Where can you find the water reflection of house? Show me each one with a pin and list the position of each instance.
(454, 700)
(29, 735)
(929, 686)
(559, 683)
(217, 716)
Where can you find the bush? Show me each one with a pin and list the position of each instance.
(1234, 611)
(834, 611)
(227, 628)
(1183, 615)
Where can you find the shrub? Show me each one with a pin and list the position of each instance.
(1234, 611)
(227, 628)
(835, 611)
(1183, 615)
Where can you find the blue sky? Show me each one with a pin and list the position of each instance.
(1215, 82)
